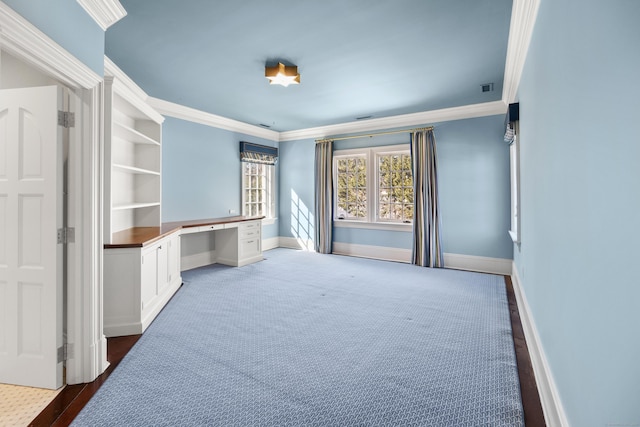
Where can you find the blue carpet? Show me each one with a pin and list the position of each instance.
(302, 339)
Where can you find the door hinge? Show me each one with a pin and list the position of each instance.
(66, 235)
(66, 119)
(65, 352)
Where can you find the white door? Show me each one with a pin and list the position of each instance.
(30, 257)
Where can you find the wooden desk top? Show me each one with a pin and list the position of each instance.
(138, 237)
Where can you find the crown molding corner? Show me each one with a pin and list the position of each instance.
(523, 19)
(128, 89)
(112, 70)
(182, 112)
(22, 39)
(406, 120)
(104, 12)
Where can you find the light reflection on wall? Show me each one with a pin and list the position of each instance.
(302, 223)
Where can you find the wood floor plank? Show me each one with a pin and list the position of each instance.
(70, 401)
(533, 414)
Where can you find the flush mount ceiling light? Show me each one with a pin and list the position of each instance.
(282, 74)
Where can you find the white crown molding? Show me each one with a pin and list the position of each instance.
(405, 120)
(191, 114)
(104, 12)
(552, 408)
(523, 19)
(129, 90)
(112, 70)
(20, 38)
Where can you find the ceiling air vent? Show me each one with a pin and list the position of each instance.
(264, 126)
(364, 117)
(487, 87)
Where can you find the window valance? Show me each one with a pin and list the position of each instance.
(255, 153)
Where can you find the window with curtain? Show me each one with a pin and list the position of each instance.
(514, 162)
(258, 179)
(373, 186)
(257, 189)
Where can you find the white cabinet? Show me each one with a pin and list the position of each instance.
(239, 244)
(138, 282)
(132, 156)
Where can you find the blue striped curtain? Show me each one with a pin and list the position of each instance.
(427, 247)
(324, 197)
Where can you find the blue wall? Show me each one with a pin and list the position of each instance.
(296, 189)
(580, 175)
(201, 172)
(67, 23)
(474, 189)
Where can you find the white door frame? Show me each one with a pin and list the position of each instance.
(87, 344)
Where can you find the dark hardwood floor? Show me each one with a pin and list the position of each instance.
(533, 415)
(71, 399)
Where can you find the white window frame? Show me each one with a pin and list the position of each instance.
(514, 175)
(371, 154)
(270, 200)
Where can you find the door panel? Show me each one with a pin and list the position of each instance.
(30, 257)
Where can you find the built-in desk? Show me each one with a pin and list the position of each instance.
(142, 265)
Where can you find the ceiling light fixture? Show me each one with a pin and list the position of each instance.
(282, 74)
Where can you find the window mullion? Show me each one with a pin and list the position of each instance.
(371, 186)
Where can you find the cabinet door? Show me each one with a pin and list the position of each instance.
(149, 277)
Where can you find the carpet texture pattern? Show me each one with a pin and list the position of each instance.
(302, 339)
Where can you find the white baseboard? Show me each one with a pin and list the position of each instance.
(478, 263)
(270, 243)
(200, 259)
(370, 251)
(454, 261)
(551, 405)
(296, 243)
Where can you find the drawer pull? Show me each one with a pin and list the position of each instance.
(250, 241)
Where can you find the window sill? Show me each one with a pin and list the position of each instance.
(343, 223)
(514, 236)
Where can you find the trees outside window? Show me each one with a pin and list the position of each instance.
(373, 185)
(257, 189)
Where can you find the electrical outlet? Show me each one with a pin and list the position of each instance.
(232, 211)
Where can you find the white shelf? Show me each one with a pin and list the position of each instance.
(132, 157)
(134, 170)
(132, 135)
(135, 206)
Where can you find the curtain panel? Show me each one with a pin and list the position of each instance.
(323, 205)
(427, 247)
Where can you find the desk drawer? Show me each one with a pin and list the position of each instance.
(249, 229)
(250, 247)
(211, 227)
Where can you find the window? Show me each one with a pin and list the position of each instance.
(351, 178)
(258, 196)
(373, 186)
(395, 186)
(514, 162)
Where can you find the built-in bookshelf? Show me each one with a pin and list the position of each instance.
(133, 156)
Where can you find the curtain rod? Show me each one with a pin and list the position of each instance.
(340, 138)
